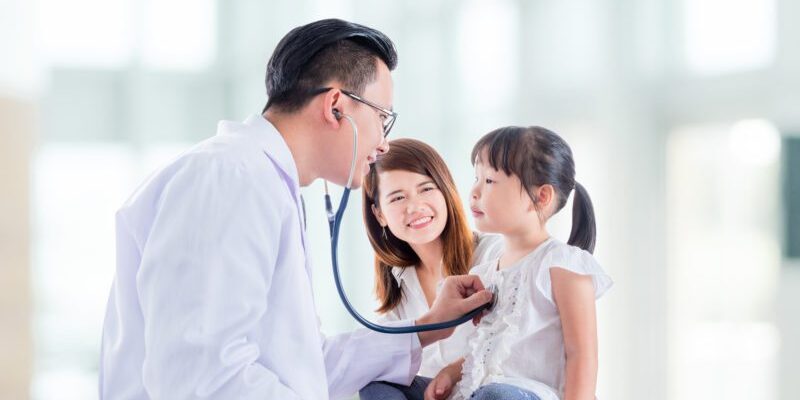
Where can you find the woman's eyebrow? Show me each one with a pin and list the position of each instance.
(393, 193)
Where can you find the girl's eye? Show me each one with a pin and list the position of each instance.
(395, 198)
(489, 180)
(428, 188)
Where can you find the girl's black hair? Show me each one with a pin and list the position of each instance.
(539, 157)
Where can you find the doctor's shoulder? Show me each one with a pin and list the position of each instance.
(212, 162)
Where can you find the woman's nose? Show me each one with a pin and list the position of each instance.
(413, 205)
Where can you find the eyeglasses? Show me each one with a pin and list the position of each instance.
(389, 116)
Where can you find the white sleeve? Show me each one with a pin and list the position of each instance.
(354, 359)
(205, 273)
(573, 259)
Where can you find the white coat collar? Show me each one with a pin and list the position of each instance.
(269, 139)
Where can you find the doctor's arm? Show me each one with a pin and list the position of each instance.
(354, 359)
(205, 274)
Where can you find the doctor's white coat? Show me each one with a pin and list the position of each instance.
(212, 296)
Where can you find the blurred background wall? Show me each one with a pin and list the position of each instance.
(683, 116)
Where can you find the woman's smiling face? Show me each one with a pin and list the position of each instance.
(411, 206)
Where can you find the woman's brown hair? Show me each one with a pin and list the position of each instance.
(413, 156)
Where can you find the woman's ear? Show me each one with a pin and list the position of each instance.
(378, 215)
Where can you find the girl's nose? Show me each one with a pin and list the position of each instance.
(474, 191)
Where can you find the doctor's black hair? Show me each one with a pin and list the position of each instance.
(312, 55)
(537, 157)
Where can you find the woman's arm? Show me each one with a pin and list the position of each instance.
(574, 297)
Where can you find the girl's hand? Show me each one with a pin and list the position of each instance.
(442, 385)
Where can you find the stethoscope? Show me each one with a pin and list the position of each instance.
(335, 222)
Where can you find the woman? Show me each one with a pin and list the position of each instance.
(416, 225)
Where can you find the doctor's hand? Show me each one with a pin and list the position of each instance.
(459, 295)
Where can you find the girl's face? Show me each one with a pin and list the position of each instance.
(411, 206)
(498, 202)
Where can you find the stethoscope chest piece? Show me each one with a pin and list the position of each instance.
(495, 294)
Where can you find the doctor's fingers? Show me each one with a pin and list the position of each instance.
(476, 300)
(477, 319)
(466, 284)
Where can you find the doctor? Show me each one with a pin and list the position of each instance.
(212, 296)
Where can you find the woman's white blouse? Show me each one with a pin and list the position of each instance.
(521, 342)
(413, 304)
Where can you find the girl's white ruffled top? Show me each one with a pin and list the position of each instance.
(521, 342)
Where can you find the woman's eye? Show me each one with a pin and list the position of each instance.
(428, 188)
(396, 198)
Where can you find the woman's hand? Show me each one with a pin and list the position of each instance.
(442, 385)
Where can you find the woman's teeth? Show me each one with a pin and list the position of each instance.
(420, 221)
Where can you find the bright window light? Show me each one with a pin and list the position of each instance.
(179, 34)
(85, 33)
(724, 261)
(729, 35)
(487, 51)
(755, 141)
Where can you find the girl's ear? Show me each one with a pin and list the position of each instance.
(545, 195)
(378, 215)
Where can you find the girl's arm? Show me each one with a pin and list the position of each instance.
(574, 297)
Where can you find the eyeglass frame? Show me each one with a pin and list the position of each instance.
(391, 115)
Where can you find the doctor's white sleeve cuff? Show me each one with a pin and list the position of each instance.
(355, 359)
(415, 351)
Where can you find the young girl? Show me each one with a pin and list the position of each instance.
(416, 224)
(540, 339)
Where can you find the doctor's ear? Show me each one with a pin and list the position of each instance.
(332, 109)
(378, 215)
